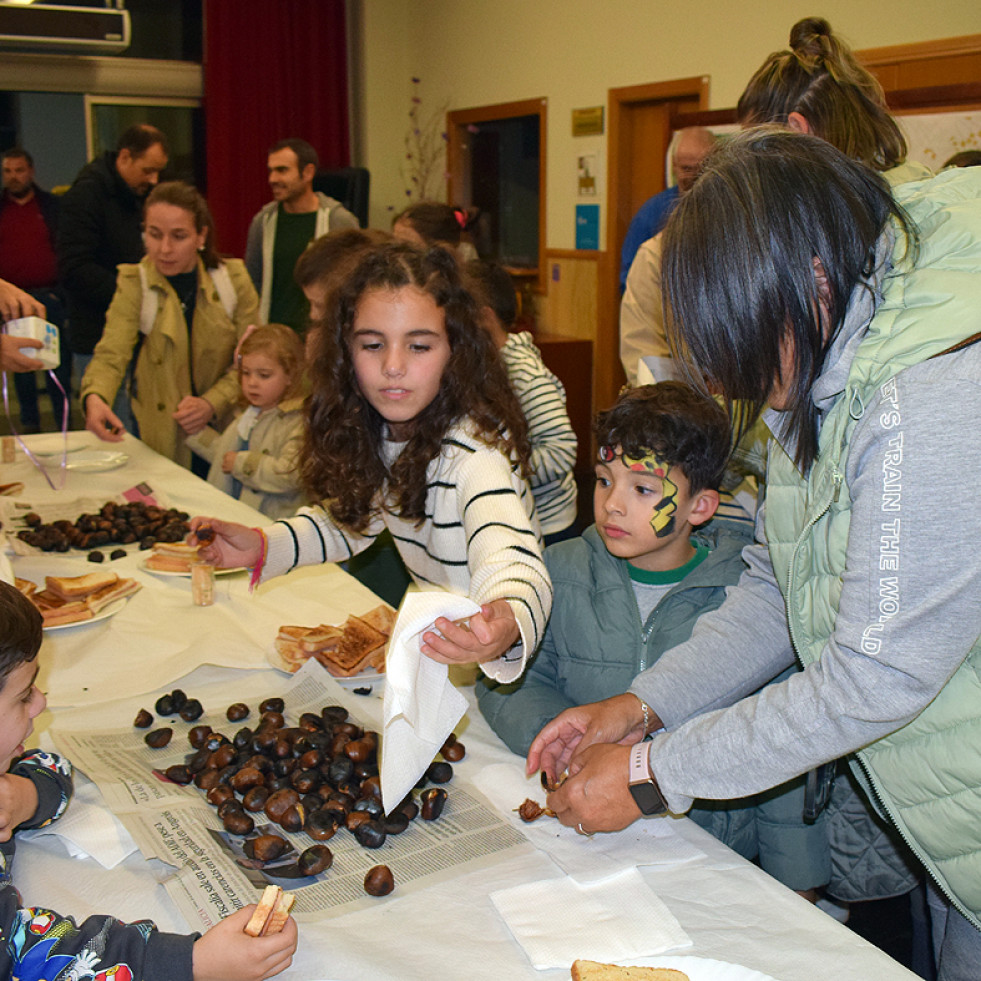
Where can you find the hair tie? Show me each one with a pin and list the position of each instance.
(461, 218)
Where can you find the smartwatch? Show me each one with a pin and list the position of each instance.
(643, 786)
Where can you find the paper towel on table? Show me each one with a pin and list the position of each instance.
(421, 706)
(560, 920)
(88, 829)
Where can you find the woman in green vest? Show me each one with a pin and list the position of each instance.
(849, 315)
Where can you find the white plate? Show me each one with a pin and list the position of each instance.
(185, 575)
(107, 611)
(52, 444)
(95, 461)
(701, 968)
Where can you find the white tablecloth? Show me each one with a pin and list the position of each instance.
(731, 910)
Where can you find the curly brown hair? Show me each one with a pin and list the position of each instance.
(342, 459)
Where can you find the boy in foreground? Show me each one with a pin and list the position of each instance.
(635, 585)
(35, 788)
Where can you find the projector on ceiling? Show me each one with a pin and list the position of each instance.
(74, 29)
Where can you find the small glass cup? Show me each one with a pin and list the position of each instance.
(202, 584)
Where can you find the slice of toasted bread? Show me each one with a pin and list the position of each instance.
(270, 913)
(180, 549)
(167, 563)
(595, 971)
(101, 598)
(322, 638)
(25, 586)
(73, 612)
(382, 618)
(77, 587)
(293, 633)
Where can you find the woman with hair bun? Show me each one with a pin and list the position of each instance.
(179, 313)
(818, 87)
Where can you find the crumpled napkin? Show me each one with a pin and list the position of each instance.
(421, 707)
(89, 829)
(614, 919)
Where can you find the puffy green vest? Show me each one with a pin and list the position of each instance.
(926, 775)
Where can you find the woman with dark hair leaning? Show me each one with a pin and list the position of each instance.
(852, 319)
(179, 313)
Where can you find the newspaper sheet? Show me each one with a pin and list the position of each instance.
(213, 876)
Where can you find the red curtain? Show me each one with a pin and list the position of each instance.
(272, 70)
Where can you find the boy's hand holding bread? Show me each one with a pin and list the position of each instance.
(227, 953)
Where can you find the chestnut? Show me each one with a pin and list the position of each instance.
(158, 738)
(206, 779)
(215, 740)
(237, 712)
(292, 819)
(255, 799)
(246, 778)
(355, 819)
(359, 750)
(314, 860)
(280, 802)
(453, 753)
(311, 722)
(191, 710)
(379, 881)
(97, 556)
(178, 698)
(143, 719)
(198, 736)
(341, 768)
(271, 705)
(395, 823)
(265, 848)
(432, 803)
(272, 720)
(332, 714)
(371, 806)
(439, 773)
(321, 825)
(238, 823)
(178, 773)
(165, 705)
(117, 553)
(371, 834)
(219, 793)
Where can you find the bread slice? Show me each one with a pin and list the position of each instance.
(322, 638)
(595, 971)
(75, 611)
(101, 598)
(167, 563)
(270, 913)
(25, 586)
(78, 587)
(382, 618)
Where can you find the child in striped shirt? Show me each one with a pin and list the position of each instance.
(413, 426)
(541, 397)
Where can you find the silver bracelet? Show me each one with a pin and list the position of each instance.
(647, 718)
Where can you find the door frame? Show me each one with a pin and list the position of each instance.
(681, 92)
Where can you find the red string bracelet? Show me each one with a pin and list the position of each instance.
(257, 568)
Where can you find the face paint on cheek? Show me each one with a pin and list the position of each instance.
(662, 520)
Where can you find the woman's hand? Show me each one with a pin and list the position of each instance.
(490, 633)
(15, 303)
(227, 953)
(230, 547)
(102, 421)
(228, 461)
(596, 795)
(615, 720)
(193, 414)
(10, 357)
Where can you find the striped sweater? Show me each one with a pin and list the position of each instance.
(552, 438)
(480, 538)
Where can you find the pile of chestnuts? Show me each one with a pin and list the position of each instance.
(319, 777)
(113, 524)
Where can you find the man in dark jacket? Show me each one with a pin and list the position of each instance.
(101, 226)
(28, 225)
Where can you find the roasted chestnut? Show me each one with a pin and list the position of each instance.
(332, 714)
(198, 736)
(237, 712)
(255, 799)
(265, 848)
(238, 823)
(178, 698)
(439, 772)
(321, 825)
(118, 553)
(271, 705)
(395, 823)
(354, 819)
(371, 834)
(453, 753)
(379, 881)
(292, 819)
(158, 738)
(432, 803)
(143, 719)
(191, 710)
(280, 802)
(246, 778)
(178, 773)
(315, 859)
(165, 705)
(218, 794)
(371, 806)
(97, 556)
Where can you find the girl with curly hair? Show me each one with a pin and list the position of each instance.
(413, 426)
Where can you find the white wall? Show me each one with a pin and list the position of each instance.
(480, 52)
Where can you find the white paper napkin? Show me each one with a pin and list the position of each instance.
(561, 920)
(421, 706)
(89, 829)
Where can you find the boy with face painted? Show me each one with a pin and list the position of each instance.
(634, 585)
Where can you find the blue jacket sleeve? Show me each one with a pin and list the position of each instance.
(52, 778)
